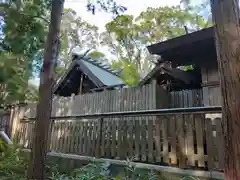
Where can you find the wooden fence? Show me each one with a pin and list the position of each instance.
(183, 140)
(147, 97)
(186, 98)
(126, 99)
(176, 139)
(5, 121)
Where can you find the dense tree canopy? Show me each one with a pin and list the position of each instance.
(126, 37)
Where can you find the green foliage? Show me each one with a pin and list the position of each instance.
(13, 166)
(127, 37)
(129, 72)
(25, 27)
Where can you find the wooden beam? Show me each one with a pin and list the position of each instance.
(81, 83)
(177, 74)
(195, 173)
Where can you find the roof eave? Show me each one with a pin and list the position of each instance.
(183, 40)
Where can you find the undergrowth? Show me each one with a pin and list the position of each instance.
(13, 166)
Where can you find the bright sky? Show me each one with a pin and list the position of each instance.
(134, 7)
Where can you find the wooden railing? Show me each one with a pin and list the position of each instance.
(183, 137)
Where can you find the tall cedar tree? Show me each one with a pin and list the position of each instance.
(43, 121)
(227, 32)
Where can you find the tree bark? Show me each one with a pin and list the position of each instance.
(227, 32)
(44, 108)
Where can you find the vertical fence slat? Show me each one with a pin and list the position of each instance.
(164, 139)
(157, 139)
(209, 143)
(114, 130)
(173, 139)
(200, 146)
(190, 139)
(181, 141)
(220, 140)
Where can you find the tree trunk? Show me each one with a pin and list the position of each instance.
(44, 108)
(227, 32)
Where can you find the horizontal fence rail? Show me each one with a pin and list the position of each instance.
(182, 137)
(193, 110)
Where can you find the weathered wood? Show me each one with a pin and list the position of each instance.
(164, 138)
(181, 141)
(209, 143)
(190, 140)
(81, 84)
(146, 138)
(220, 143)
(172, 141)
(225, 14)
(199, 127)
(167, 130)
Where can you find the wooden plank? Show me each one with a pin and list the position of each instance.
(103, 138)
(150, 139)
(181, 141)
(57, 148)
(119, 138)
(108, 137)
(114, 124)
(209, 143)
(53, 137)
(85, 129)
(99, 137)
(130, 106)
(26, 129)
(199, 119)
(194, 173)
(124, 128)
(65, 137)
(114, 143)
(62, 133)
(157, 140)
(137, 127)
(108, 127)
(173, 139)
(74, 136)
(77, 138)
(220, 145)
(190, 139)
(30, 135)
(143, 126)
(89, 134)
(19, 132)
(71, 136)
(94, 137)
(143, 140)
(164, 138)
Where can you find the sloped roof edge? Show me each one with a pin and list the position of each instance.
(190, 38)
(99, 82)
